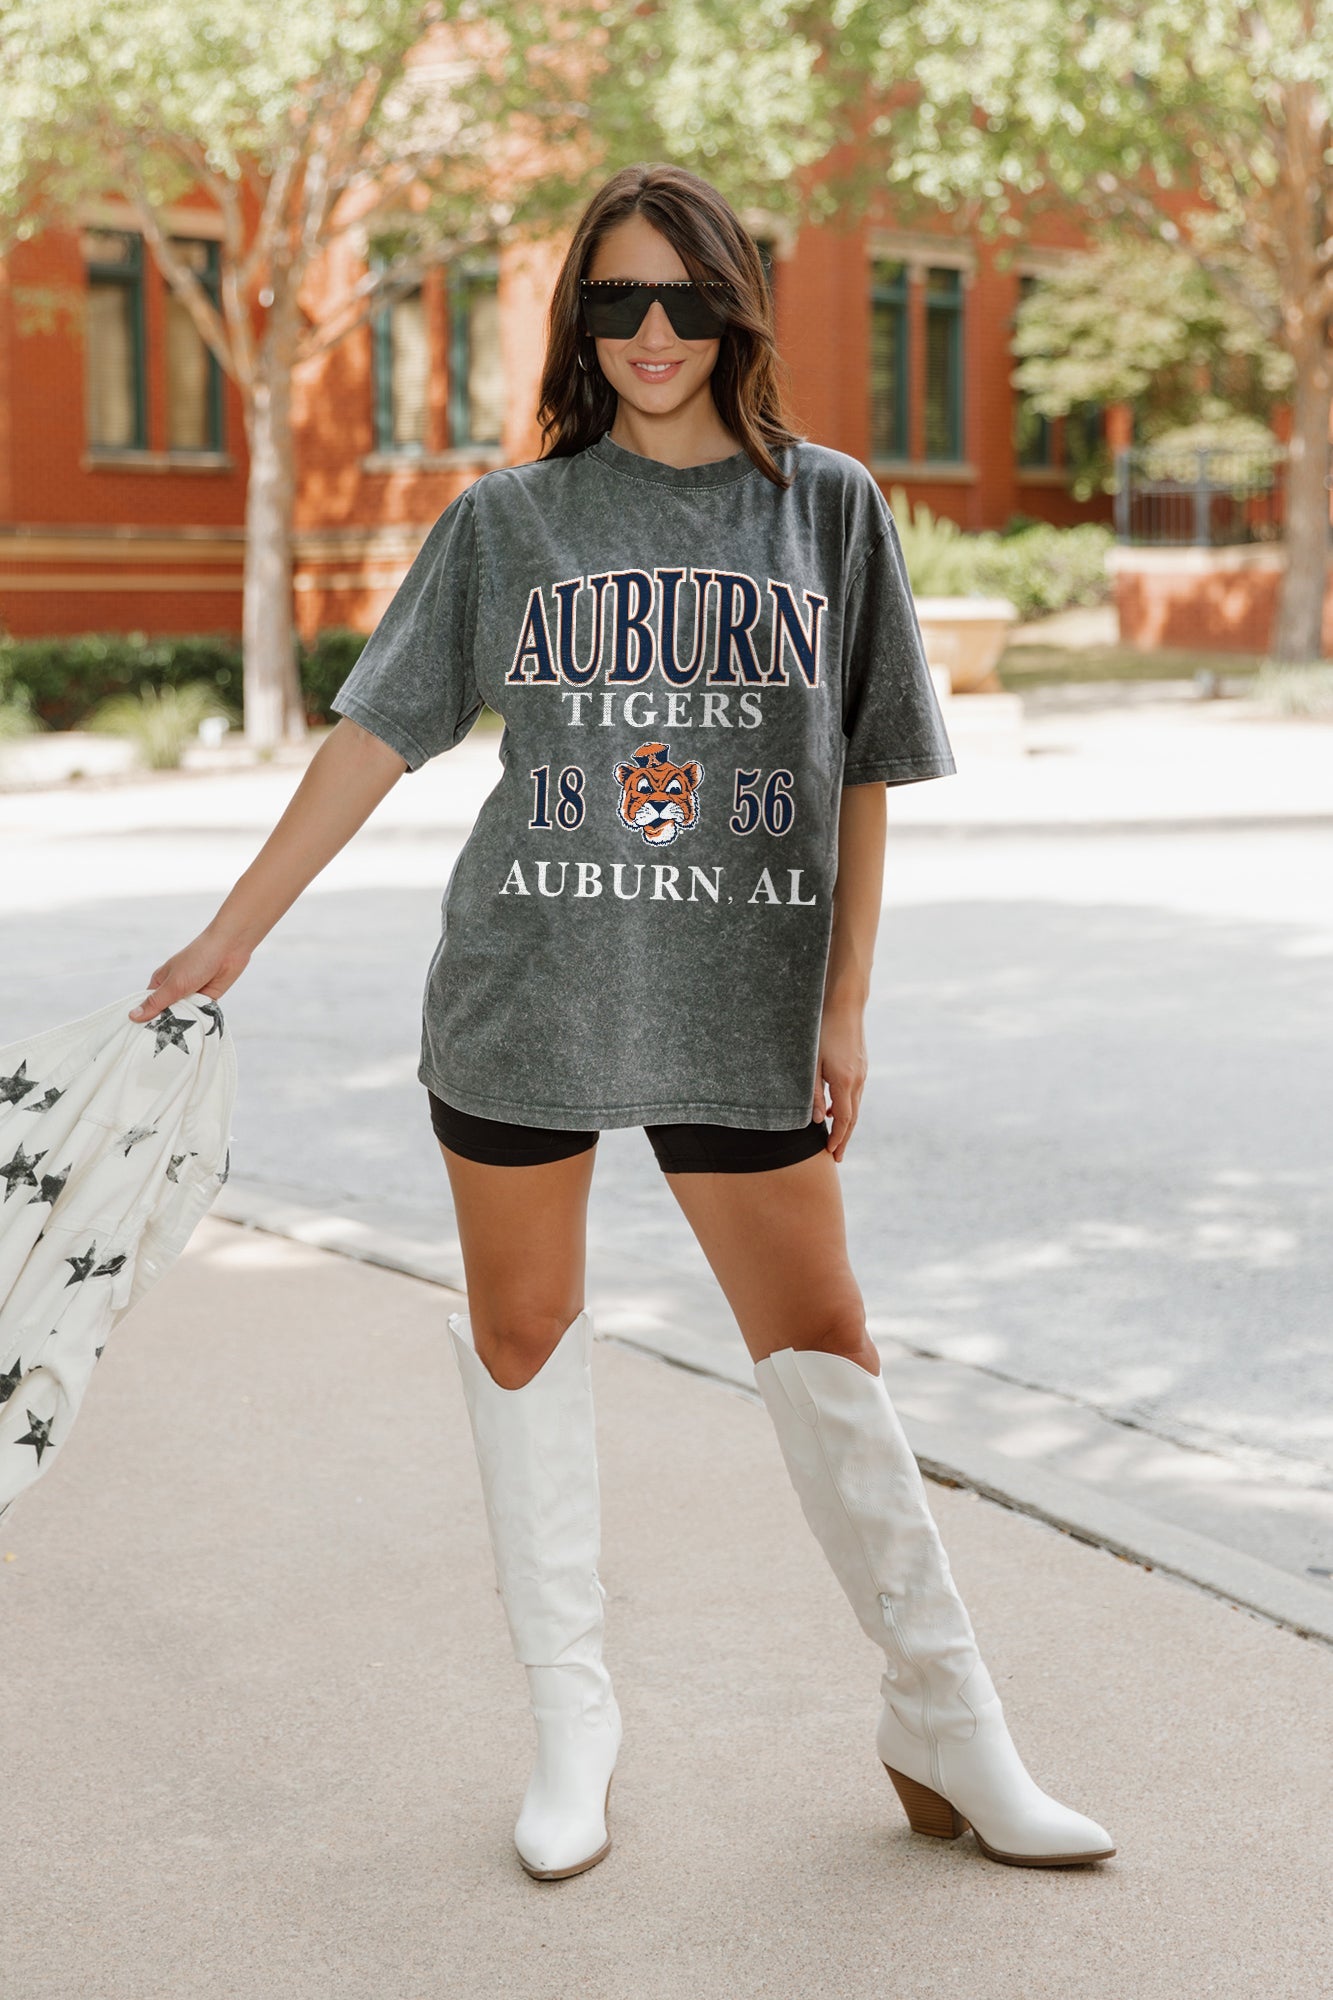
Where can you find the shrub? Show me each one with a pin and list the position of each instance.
(325, 665)
(63, 680)
(16, 716)
(1044, 568)
(1305, 692)
(1038, 567)
(66, 679)
(159, 721)
(941, 560)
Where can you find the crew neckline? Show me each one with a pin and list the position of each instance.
(713, 472)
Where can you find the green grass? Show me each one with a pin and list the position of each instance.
(1055, 666)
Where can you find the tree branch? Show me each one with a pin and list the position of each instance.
(183, 281)
(234, 302)
(366, 298)
(274, 201)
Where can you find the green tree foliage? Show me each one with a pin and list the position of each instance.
(1144, 323)
(334, 129)
(1199, 124)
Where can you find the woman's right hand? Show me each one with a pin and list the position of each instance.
(206, 966)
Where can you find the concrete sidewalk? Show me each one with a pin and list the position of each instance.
(265, 1738)
(1130, 755)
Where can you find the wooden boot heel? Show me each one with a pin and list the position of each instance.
(926, 1811)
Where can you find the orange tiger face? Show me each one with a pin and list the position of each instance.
(657, 797)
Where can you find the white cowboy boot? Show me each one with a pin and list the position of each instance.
(536, 1450)
(942, 1736)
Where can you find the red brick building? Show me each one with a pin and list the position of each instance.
(122, 450)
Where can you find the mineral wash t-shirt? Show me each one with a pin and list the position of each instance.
(690, 664)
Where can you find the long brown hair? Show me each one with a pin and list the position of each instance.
(578, 403)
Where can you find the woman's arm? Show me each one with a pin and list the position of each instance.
(862, 821)
(346, 779)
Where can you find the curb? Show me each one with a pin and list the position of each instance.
(953, 1458)
(993, 829)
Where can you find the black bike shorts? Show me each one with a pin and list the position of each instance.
(680, 1149)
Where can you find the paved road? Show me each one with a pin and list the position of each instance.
(1092, 1181)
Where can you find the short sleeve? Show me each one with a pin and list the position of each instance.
(414, 685)
(891, 715)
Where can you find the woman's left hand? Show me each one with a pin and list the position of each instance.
(841, 1070)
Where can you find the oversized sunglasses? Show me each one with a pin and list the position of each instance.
(614, 308)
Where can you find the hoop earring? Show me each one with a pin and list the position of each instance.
(578, 356)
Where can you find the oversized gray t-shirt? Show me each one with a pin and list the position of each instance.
(690, 664)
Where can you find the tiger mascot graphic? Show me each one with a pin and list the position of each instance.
(657, 797)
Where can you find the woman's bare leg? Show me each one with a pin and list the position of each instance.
(523, 1232)
(777, 1244)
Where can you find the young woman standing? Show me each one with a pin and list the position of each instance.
(698, 631)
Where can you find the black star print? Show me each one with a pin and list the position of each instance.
(10, 1379)
(226, 1169)
(53, 1096)
(98, 1352)
(110, 1268)
(135, 1135)
(168, 1027)
(19, 1172)
(39, 1435)
(177, 1161)
(214, 1013)
(13, 1089)
(83, 1266)
(50, 1188)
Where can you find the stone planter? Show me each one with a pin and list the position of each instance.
(52, 757)
(966, 636)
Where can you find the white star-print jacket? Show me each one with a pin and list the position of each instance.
(114, 1141)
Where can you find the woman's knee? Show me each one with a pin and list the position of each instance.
(516, 1345)
(840, 1329)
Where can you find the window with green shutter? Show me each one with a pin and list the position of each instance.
(476, 364)
(114, 340)
(401, 372)
(194, 379)
(888, 359)
(944, 363)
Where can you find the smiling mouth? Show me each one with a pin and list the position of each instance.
(655, 371)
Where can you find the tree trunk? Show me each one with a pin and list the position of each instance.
(1298, 631)
(272, 694)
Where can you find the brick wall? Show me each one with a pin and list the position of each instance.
(134, 542)
(154, 544)
(1216, 600)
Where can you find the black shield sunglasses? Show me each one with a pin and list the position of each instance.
(614, 308)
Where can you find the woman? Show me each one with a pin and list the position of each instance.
(698, 631)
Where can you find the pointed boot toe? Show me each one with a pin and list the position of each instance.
(556, 1840)
(562, 1827)
(980, 1781)
(1048, 1835)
